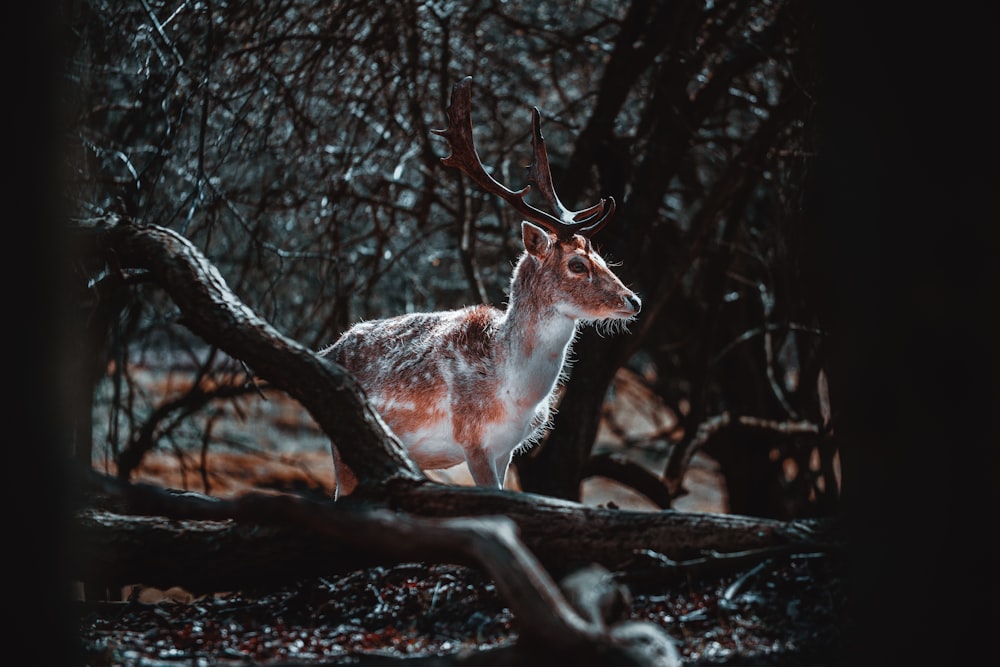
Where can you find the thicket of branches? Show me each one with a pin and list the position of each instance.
(292, 144)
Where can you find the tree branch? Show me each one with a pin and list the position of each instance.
(211, 310)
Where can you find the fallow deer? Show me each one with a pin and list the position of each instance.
(476, 385)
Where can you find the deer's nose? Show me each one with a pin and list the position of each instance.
(633, 302)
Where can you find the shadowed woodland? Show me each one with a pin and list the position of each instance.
(305, 169)
(240, 182)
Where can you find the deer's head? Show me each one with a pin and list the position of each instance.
(560, 269)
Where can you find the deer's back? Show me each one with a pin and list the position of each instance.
(399, 348)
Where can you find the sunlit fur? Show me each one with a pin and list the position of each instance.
(477, 384)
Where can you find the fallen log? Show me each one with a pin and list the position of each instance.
(144, 534)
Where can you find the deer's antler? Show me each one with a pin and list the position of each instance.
(465, 158)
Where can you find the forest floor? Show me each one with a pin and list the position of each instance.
(788, 610)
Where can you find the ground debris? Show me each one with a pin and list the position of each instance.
(792, 609)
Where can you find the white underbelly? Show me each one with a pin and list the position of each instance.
(433, 447)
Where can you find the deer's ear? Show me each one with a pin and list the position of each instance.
(537, 241)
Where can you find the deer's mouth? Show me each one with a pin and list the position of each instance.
(630, 307)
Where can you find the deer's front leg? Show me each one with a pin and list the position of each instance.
(484, 468)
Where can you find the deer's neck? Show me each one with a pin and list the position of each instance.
(538, 335)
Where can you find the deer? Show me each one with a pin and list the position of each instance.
(478, 384)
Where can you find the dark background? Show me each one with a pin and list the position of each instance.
(911, 176)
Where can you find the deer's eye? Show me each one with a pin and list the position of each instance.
(577, 265)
